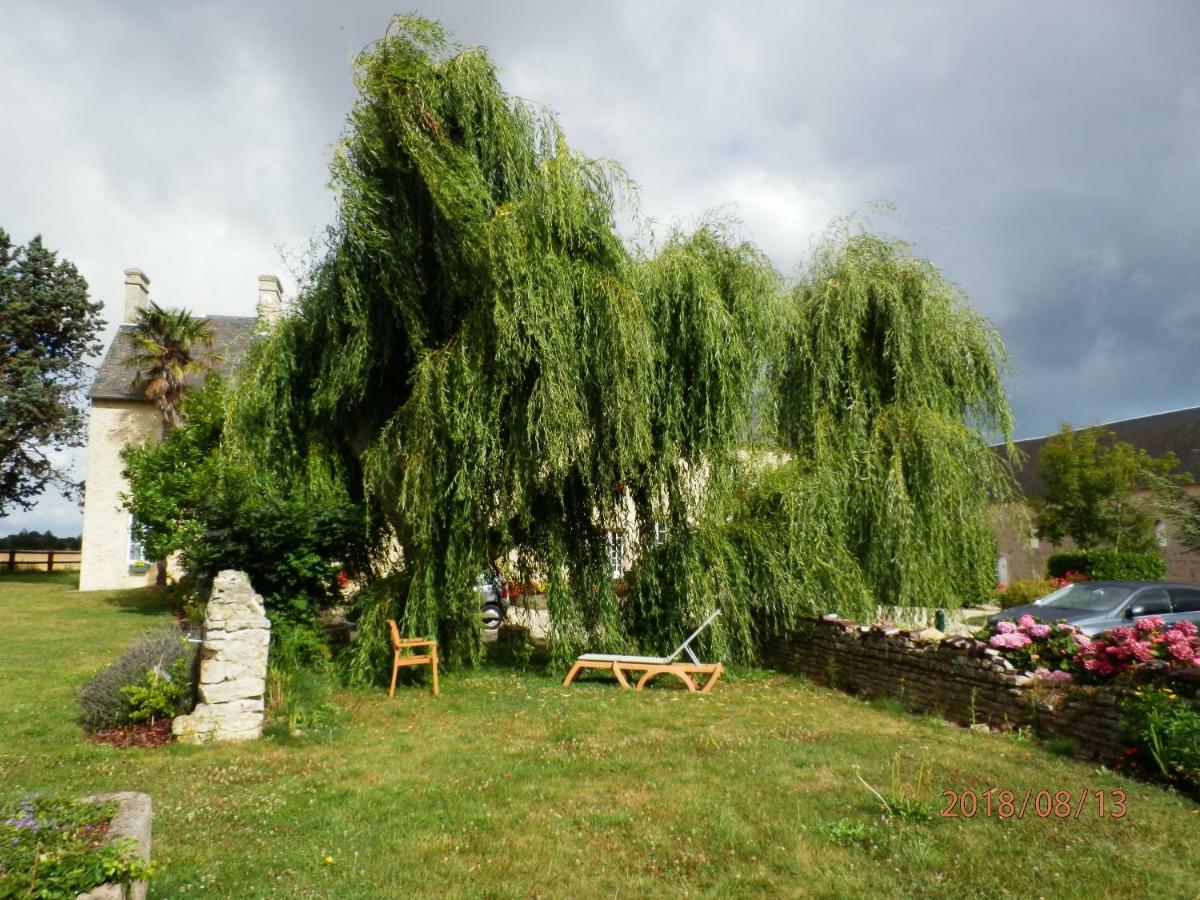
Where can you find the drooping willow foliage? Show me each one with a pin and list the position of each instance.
(482, 358)
(481, 362)
(888, 387)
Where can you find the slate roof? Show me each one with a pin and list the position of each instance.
(1177, 431)
(115, 376)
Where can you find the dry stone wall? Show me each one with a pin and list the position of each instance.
(233, 665)
(957, 678)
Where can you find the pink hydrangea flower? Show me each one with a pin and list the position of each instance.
(1038, 630)
(1141, 650)
(1150, 623)
(1005, 627)
(1027, 621)
(1186, 627)
(1012, 640)
(1180, 650)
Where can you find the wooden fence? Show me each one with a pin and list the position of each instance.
(39, 560)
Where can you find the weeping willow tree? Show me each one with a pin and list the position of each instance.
(482, 361)
(888, 387)
(484, 365)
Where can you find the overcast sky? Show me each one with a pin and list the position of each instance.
(1045, 155)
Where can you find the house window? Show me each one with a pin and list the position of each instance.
(1002, 569)
(1034, 543)
(1160, 532)
(616, 543)
(137, 551)
(660, 533)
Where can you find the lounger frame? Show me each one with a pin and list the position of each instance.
(652, 667)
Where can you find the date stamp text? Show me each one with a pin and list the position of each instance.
(1045, 804)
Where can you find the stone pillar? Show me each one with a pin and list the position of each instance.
(233, 665)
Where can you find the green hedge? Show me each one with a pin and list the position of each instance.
(1107, 565)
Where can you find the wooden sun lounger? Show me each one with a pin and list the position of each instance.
(653, 666)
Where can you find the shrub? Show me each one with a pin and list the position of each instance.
(161, 694)
(48, 848)
(1121, 649)
(104, 700)
(1107, 565)
(1071, 577)
(1022, 592)
(1165, 731)
(292, 548)
(191, 496)
(1030, 644)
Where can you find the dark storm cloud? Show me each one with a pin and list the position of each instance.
(1046, 156)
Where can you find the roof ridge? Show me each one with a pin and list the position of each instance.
(1165, 412)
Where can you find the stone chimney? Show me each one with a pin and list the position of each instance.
(270, 301)
(137, 293)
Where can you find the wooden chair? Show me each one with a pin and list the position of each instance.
(399, 658)
(653, 666)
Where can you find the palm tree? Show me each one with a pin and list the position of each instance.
(169, 346)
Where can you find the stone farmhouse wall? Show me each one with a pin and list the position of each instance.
(112, 425)
(956, 678)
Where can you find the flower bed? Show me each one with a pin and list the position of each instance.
(1046, 650)
(1164, 729)
(62, 848)
(1122, 649)
(1161, 727)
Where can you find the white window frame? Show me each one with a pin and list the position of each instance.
(616, 544)
(132, 543)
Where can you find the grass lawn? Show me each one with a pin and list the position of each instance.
(511, 786)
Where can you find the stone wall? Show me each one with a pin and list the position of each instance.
(233, 665)
(112, 425)
(133, 821)
(957, 678)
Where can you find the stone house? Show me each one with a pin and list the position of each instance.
(1023, 556)
(119, 414)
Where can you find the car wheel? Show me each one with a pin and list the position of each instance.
(493, 615)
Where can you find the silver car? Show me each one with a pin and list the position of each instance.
(493, 598)
(1096, 606)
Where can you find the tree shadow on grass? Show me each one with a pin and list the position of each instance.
(150, 601)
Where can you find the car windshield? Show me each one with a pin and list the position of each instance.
(1092, 597)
